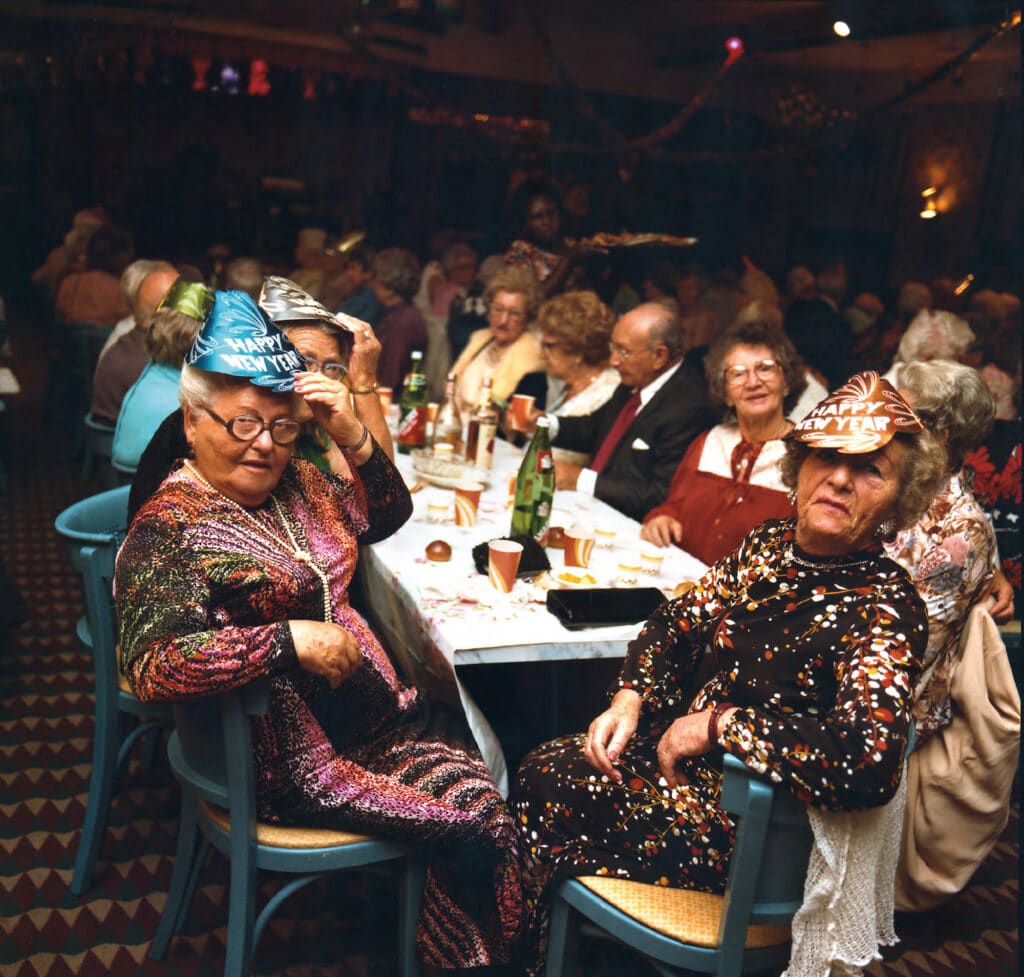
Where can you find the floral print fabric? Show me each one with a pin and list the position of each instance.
(950, 554)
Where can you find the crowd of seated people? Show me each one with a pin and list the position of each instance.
(684, 412)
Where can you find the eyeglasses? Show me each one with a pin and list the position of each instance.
(501, 310)
(624, 354)
(246, 427)
(763, 370)
(333, 371)
(549, 344)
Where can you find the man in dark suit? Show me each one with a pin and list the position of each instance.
(640, 435)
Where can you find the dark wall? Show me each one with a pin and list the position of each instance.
(184, 170)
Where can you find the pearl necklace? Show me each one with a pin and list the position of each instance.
(289, 546)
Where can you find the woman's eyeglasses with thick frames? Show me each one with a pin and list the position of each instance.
(246, 427)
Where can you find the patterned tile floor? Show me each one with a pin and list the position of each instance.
(45, 744)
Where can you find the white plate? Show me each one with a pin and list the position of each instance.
(441, 481)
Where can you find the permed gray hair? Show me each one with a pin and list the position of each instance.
(950, 399)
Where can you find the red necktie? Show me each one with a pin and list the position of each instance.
(614, 436)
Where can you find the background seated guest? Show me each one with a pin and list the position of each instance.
(575, 329)
(154, 395)
(244, 274)
(238, 568)
(400, 327)
(124, 361)
(94, 295)
(132, 280)
(69, 255)
(729, 479)
(950, 552)
(932, 335)
(468, 311)
(337, 346)
(813, 693)
(309, 253)
(361, 300)
(639, 436)
(506, 350)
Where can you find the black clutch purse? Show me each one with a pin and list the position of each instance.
(601, 607)
(532, 562)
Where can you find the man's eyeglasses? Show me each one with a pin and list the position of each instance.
(246, 427)
(333, 371)
(763, 370)
(501, 310)
(624, 354)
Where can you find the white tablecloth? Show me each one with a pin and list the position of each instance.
(435, 616)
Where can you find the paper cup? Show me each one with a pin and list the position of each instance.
(467, 500)
(650, 561)
(521, 406)
(384, 393)
(437, 511)
(629, 569)
(503, 563)
(578, 545)
(604, 536)
(444, 451)
(432, 410)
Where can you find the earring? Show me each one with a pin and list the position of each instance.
(792, 497)
(886, 530)
(191, 449)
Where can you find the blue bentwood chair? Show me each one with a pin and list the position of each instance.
(210, 752)
(94, 529)
(747, 929)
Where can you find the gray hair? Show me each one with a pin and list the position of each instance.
(137, 272)
(518, 280)
(199, 388)
(398, 270)
(455, 253)
(950, 399)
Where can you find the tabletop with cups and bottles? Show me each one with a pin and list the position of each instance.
(425, 596)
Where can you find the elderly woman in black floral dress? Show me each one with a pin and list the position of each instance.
(816, 638)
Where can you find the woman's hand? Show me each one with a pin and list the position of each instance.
(611, 731)
(362, 362)
(687, 736)
(662, 530)
(331, 405)
(1000, 593)
(324, 649)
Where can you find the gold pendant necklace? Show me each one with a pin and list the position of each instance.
(289, 546)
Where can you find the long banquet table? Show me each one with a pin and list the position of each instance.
(437, 617)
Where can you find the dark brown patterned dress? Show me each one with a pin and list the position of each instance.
(820, 656)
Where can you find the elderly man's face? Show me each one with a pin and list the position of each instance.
(638, 358)
(153, 288)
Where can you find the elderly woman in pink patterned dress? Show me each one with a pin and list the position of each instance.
(238, 568)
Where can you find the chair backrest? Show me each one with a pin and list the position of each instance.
(769, 860)
(213, 748)
(94, 529)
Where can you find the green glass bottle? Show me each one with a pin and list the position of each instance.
(412, 428)
(535, 485)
